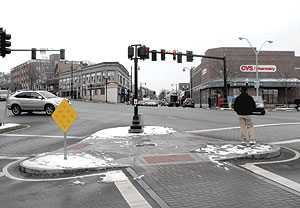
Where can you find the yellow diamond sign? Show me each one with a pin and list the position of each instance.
(64, 115)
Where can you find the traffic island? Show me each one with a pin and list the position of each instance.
(239, 151)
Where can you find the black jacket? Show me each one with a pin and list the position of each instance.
(244, 104)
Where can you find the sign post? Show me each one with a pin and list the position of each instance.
(64, 116)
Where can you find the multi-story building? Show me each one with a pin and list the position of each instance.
(4, 80)
(107, 81)
(279, 75)
(35, 74)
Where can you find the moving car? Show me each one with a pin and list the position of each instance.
(29, 101)
(260, 107)
(189, 102)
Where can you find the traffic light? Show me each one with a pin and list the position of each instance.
(147, 53)
(154, 55)
(143, 52)
(163, 54)
(62, 54)
(179, 57)
(130, 52)
(174, 55)
(33, 53)
(189, 56)
(4, 43)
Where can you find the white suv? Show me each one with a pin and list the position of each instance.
(30, 101)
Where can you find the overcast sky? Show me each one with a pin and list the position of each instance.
(101, 31)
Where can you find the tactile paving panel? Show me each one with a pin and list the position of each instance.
(169, 158)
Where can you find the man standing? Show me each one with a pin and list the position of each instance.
(244, 105)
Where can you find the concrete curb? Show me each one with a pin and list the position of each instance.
(275, 152)
(265, 155)
(42, 172)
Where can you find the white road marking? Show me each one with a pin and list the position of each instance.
(237, 127)
(131, 194)
(43, 136)
(272, 176)
(1, 174)
(286, 142)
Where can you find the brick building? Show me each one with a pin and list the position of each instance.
(107, 81)
(279, 75)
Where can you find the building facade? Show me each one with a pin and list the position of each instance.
(107, 81)
(278, 75)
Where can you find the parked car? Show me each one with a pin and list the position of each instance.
(151, 103)
(189, 102)
(29, 101)
(3, 95)
(260, 107)
(297, 104)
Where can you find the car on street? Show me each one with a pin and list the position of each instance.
(189, 102)
(151, 103)
(30, 100)
(3, 95)
(260, 106)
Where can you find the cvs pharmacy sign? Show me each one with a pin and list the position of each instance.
(261, 68)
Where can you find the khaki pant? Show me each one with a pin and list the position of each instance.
(246, 121)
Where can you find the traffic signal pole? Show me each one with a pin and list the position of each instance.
(225, 90)
(136, 126)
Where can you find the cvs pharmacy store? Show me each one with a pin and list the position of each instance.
(278, 75)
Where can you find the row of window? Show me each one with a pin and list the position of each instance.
(98, 77)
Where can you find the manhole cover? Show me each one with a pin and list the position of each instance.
(169, 158)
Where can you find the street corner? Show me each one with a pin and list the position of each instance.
(7, 127)
(228, 151)
(55, 163)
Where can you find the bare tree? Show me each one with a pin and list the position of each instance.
(288, 79)
(162, 94)
(32, 75)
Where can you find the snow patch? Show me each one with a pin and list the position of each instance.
(113, 176)
(122, 132)
(8, 125)
(57, 161)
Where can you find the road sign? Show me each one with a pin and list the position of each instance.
(64, 115)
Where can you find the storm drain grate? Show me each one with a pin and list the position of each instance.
(78, 146)
(169, 158)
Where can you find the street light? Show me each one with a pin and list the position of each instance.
(191, 71)
(256, 57)
(175, 86)
(106, 88)
(141, 89)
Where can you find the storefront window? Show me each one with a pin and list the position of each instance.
(270, 96)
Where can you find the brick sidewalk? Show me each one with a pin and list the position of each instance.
(204, 184)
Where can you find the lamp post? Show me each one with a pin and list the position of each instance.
(141, 90)
(105, 88)
(191, 85)
(256, 57)
(175, 86)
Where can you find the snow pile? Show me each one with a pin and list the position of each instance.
(57, 161)
(122, 132)
(8, 125)
(113, 176)
(239, 149)
(216, 152)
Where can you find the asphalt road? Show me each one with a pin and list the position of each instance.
(43, 135)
